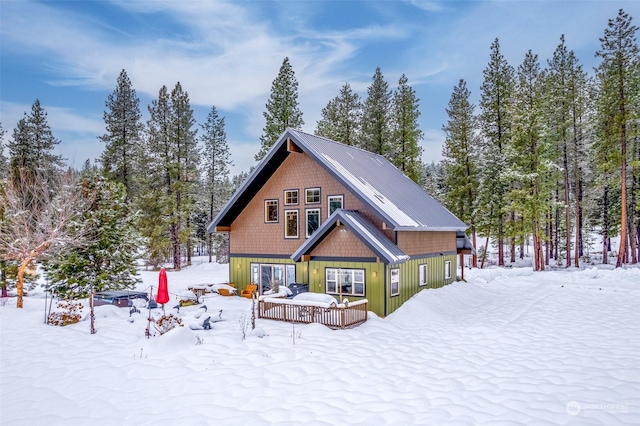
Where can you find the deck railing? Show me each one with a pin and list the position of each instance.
(334, 316)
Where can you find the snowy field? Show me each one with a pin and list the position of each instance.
(509, 346)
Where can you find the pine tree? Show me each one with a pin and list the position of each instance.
(4, 164)
(107, 259)
(461, 169)
(405, 150)
(216, 162)
(122, 119)
(31, 156)
(619, 52)
(567, 105)
(375, 135)
(283, 110)
(341, 117)
(495, 122)
(530, 156)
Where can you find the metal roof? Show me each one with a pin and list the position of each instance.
(398, 201)
(366, 231)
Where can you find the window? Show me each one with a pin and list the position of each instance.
(271, 211)
(335, 203)
(347, 282)
(312, 195)
(313, 221)
(395, 282)
(290, 197)
(447, 269)
(291, 224)
(423, 274)
(266, 275)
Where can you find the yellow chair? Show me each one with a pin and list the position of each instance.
(225, 292)
(248, 292)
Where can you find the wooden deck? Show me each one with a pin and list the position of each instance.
(338, 316)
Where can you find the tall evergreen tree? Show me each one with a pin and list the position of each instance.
(566, 105)
(4, 164)
(461, 168)
(530, 162)
(495, 121)
(107, 259)
(341, 117)
(405, 150)
(122, 119)
(375, 135)
(619, 52)
(282, 108)
(216, 162)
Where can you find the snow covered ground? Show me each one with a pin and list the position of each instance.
(509, 346)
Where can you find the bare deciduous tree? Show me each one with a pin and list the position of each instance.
(34, 221)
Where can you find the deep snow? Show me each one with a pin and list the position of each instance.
(509, 346)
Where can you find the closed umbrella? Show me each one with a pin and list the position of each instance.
(163, 289)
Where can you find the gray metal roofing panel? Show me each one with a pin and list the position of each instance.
(402, 202)
(371, 236)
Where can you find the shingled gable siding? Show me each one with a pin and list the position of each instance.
(427, 242)
(251, 235)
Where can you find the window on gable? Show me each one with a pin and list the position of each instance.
(447, 269)
(395, 282)
(334, 202)
(312, 195)
(423, 274)
(313, 221)
(271, 211)
(291, 224)
(290, 197)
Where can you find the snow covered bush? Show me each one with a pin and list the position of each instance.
(69, 313)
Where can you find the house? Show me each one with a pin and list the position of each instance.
(343, 220)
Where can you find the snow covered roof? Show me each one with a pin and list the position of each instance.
(366, 231)
(398, 201)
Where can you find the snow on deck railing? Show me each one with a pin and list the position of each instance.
(332, 315)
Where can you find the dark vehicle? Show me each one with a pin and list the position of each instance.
(121, 298)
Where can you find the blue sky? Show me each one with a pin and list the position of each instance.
(68, 54)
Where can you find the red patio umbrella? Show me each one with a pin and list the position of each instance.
(163, 289)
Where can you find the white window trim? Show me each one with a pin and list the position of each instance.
(337, 271)
(286, 223)
(395, 273)
(447, 269)
(423, 274)
(306, 220)
(306, 196)
(266, 210)
(286, 192)
(329, 197)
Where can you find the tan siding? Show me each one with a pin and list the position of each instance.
(342, 243)
(250, 234)
(423, 242)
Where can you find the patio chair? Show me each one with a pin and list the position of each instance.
(225, 292)
(248, 292)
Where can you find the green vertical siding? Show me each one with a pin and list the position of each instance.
(377, 288)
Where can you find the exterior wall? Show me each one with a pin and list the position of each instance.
(410, 278)
(424, 242)
(342, 243)
(251, 235)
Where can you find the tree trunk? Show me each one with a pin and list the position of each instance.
(605, 226)
(484, 255)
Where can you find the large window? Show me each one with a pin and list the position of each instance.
(395, 282)
(267, 275)
(447, 269)
(271, 211)
(348, 282)
(424, 275)
(290, 197)
(313, 221)
(334, 202)
(312, 195)
(291, 224)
